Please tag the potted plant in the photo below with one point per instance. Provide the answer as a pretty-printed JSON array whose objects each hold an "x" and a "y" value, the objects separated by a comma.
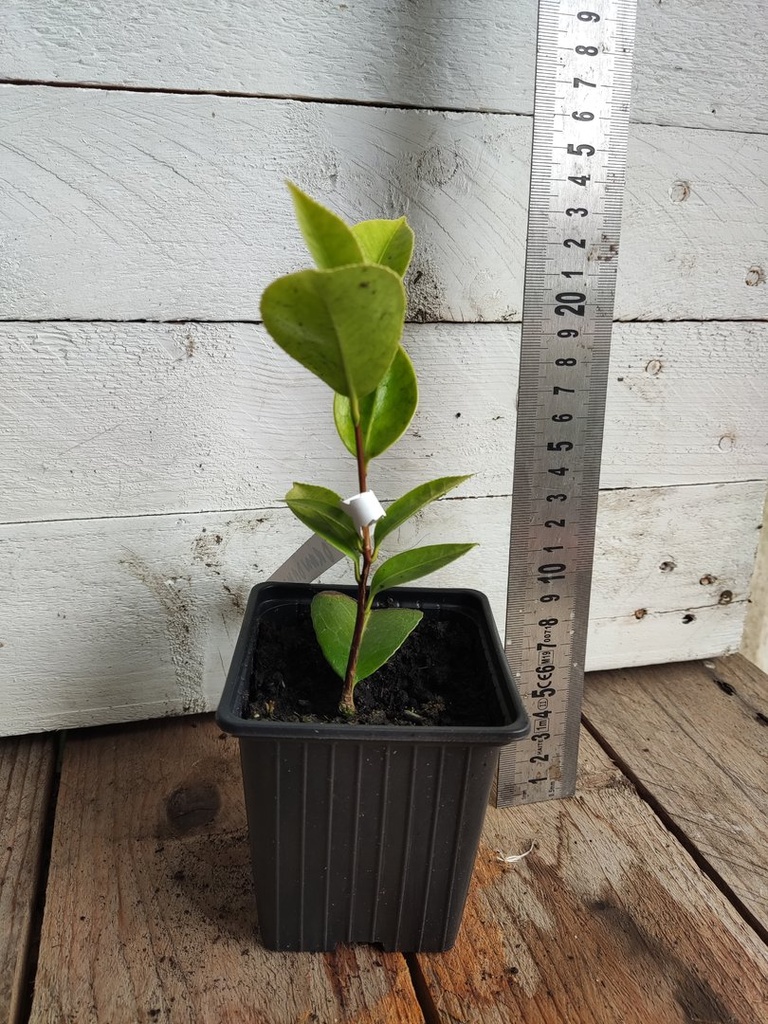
[{"x": 370, "y": 719}]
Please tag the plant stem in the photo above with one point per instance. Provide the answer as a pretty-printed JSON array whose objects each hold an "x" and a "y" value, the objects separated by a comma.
[{"x": 347, "y": 703}]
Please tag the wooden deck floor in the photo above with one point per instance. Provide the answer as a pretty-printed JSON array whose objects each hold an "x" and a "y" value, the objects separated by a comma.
[{"x": 125, "y": 893}]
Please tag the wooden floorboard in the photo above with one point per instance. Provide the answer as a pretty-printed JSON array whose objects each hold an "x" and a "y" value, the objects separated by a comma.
[
  {"x": 748, "y": 683},
  {"x": 694, "y": 738},
  {"x": 26, "y": 774},
  {"x": 607, "y": 921},
  {"x": 149, "y": 914}
]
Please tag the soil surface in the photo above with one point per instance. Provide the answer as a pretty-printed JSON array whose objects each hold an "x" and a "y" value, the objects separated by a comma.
[{"x": 432, "y": 680}]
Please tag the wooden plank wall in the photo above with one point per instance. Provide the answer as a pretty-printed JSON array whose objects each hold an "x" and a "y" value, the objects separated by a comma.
[{"x": 149, "y": 429}]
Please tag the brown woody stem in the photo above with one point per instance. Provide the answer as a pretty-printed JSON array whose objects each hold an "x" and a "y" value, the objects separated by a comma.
[{"x": 347, "y": 702}]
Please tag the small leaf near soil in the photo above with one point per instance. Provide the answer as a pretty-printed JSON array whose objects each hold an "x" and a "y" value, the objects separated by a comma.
[{"x": 333, "y": 616}]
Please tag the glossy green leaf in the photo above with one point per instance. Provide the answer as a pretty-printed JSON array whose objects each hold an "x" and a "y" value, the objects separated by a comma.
[
  {"x": 328, "y": 237},
  {"x": 343, "y": 325},
  {"x": 385, "y": 632},
  {"x": 388, "y": 242},
  {"x": 402, "y": 509},
  {"x": 385, "y": 413},
  {"x": 413, "y": 564},
  {"x": 334, "y": 615},
  {"x": 318, "y": 508}
]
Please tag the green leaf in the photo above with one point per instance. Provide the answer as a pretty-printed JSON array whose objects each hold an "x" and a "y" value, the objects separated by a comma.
[
  {"x": 328, "y": 238},
  {"x": 334, "y": 615},
  {"x": 402, "y": 509},
  {"x": 385, "y": 413},
  {"x": 313, "y": 492},
  {"x": 343, "y": 325},
  {"x": 388, "y": 242},
  {"x": 318, "y": 508},
  {"x": 411, "y": 565}
]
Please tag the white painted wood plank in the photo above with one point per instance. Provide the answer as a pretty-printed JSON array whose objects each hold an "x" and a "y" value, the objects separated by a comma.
[
  {"x": 664, "y": 637},
  {"x": 139, "y": 418},
  {"x": 135, "y": 419},
  {"x": 163, "y": 207},
  {"x": 669, "y": 554},
  {"x": 476, "y": 55},
  {"x": 119, "y": 619}
]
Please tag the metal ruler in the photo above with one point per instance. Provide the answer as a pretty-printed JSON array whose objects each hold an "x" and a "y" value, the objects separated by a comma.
[{"x": 581, "y": 115}]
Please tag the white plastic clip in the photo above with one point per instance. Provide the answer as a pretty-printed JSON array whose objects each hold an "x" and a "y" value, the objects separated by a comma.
[{"x": 364, "y": 508}]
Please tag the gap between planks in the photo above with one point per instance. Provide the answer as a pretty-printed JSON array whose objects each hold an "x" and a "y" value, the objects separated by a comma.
[
  {"x": 335, "y": 100},
  {"x": 280, "y": 506},
  {"x": 692, "y": 739},
  {"x": 400, "y": 52},
  {"x": 27, "y": 806},
  {"x": 675, "y": 829},
  {"x": 380, "y": 104},
  {"x": 292, "y": 97}
]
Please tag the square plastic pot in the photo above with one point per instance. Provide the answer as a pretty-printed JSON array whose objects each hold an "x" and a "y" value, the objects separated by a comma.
[{"x": 366, "y": 833}]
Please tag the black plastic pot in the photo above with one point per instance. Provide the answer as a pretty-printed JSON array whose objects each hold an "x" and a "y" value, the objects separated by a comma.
[{"x": 366, "y": 833}]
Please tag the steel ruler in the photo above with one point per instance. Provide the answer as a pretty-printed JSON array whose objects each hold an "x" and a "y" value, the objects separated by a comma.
[{"x": 580, "y": 122}]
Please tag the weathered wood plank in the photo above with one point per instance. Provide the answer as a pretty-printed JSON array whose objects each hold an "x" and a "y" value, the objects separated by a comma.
[
  {"x": 607, "y": 920},
  {"x": 26, "y": 776},
  {"x": 747, "y": 681},
  {"x": 150, "y": 895},
  {"x": 148, "y": 418},
  {"x": 701, "y": 752},
  {"x": 663, "y": 636},
  {"x": 137, "y": 617},
  {"x": 688, "y": 548},
  {"x": 163, "y": 207},
  {"x": 479, "y": 56}
]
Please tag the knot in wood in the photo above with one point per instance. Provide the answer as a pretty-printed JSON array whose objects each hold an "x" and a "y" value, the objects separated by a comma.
[{"x": 679, "y": 191}]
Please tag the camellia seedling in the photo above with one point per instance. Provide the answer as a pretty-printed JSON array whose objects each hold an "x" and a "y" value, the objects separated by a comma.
[{"x": 343, "y": 322}]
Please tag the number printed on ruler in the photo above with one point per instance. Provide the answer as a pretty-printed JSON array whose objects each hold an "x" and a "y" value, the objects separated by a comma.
[
  {"x": 580, "y": 125},
  {"x": 578, "y": 169}
]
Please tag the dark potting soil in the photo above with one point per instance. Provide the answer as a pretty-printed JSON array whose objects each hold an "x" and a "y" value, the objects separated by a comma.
[{"x": 432, "y": 680}]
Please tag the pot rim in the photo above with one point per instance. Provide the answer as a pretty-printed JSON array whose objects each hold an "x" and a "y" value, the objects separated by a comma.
[{"x": 472, "y": 603}]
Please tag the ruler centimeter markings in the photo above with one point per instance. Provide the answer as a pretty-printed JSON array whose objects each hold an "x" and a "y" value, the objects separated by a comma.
[{"x": 580, "y": 123}]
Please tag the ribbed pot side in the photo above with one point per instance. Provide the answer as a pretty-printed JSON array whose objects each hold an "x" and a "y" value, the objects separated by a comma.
[{"x": 367, "y": 833}]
